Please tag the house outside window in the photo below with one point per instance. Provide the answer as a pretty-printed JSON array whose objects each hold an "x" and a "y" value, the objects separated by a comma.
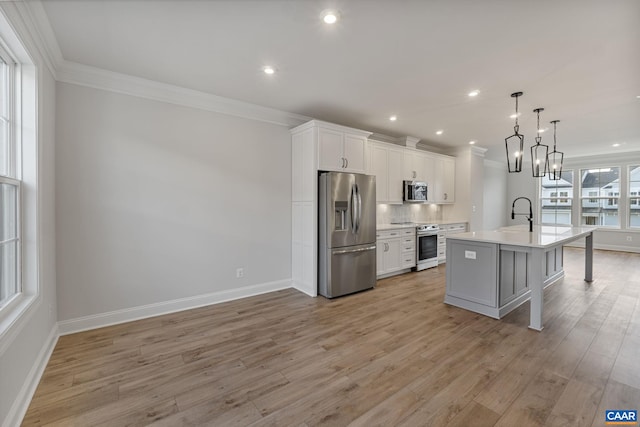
[
  {"x": 9, "y": 185},
  {"x": 600, "y": 193},
  {"x": 557, "y": 199},
  {"x": 634, "y": 196}
]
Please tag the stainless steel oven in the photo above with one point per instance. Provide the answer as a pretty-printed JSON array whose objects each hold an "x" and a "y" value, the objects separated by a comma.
[{"x": 427, "y": 246}]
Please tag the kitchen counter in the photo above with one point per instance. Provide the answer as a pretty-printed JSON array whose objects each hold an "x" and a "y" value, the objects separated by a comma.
[
  {"x": 543, "y": 236},
  {"x": 493, "y": 272}
]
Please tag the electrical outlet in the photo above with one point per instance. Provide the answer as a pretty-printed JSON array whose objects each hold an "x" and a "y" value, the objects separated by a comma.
[
  {"x": 239, "y": 272},
  {"x": 629, "y": 238}
]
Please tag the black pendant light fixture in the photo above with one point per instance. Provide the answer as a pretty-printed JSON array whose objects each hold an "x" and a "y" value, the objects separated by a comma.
[
  {"x": 555, "y": 158},
  {"x": 539, "y": 160},
  {"x": 515, "y": 143}
]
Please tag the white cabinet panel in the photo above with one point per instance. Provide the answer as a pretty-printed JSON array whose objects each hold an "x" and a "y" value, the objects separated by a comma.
[
  {"x": 330, "y": 150},
  {"x": 413, "y": 165},
  {"x": 386, "y": 164},
  {"x": 395, "y": 250},
  {"x": 445, "y": 180},
  {"x": 379, "y": 168},
  {"x": 341, "y": 151},
  {"x": 354, "y": 153},
  {"x": 394, "y": 170}
]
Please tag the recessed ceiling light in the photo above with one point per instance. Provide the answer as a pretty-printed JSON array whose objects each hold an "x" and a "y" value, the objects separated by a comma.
[
  {"x": 268, "y": 69},
  {"x": 393, "y": 118},
  {"x": 472, "y": 142},
  {"x": 513, "y": 116},
  {"x": 330, "y": 16},
  {"x": 474, "y": 93},
  {"x": 542, "y": 130},
  {"x": 616, "y": 145},
  {"x": 439, "y": 132}
]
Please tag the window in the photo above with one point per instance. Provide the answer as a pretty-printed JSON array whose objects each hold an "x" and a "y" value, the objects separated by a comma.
[
  {"x": 600, "y": 194},
  {"x": 556, "y": 199},
  {"x": 9, "y": 186},
  {"x": 634, "y": 196}
]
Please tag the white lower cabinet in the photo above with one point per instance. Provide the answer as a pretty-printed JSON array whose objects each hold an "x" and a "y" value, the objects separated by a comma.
[
  {"x": 447, "y": 230},
  {"x": 396, "y": 250}
]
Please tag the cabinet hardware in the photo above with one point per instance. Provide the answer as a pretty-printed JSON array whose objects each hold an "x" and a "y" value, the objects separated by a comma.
[
  {"x": 445, "y": 196},
  {"x": 346, "y": 162}
]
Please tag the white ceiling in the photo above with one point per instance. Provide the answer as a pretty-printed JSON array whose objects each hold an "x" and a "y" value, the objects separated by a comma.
[{"x": 418, "y": 59}]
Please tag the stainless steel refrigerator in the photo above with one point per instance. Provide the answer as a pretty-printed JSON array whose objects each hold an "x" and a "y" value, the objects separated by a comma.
[{"x": 347, "y": 233}]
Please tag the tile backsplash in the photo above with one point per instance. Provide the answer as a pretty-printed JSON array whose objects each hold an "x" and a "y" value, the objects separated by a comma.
[{"x": 418, "y": 212}]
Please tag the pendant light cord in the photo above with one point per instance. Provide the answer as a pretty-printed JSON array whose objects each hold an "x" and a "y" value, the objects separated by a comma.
[
  {"x": 538, "y": 137},
  {"x": 516, "y": 128}
]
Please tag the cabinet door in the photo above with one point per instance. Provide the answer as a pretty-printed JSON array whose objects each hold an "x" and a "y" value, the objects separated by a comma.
[
  {"x": 330, "y": 150},
  {"x": 381, "y": 249},
  {"x": 409, "y": 171},
  {"x": 429, "y": 167},
  {"x": 394, "y": 174},
  {"x": 445, "y": 180},
  {"x": 449, "y": 173},
  {"x": 354, "y": 153},
  {"x": 379, "y": 168},
  {"x": 393, "y": 257}
]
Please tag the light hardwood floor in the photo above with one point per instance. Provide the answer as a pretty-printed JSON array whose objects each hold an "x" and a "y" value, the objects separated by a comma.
[{"x": 396, "y": 355}]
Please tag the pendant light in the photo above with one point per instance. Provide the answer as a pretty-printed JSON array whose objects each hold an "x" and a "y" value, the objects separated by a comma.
[
  {"x": 539, "y": 160},
  {"x": 514, "y": 143},
  {"x": 555, "y": 158}
]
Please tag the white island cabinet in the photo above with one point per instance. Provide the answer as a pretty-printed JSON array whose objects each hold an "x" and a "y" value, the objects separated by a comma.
[{"x": 493, "y": 272}]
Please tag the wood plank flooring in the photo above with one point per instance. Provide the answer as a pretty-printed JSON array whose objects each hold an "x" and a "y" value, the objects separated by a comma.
[{"x": 393, "y": 356}]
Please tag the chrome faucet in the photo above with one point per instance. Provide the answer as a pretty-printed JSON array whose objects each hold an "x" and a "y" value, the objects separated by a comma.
[{"x": 529, "y": 218}]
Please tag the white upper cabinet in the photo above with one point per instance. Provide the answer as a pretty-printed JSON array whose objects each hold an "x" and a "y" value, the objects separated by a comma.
[
  {"x": 341, "y": 151},
  {"x": 395, "y": 175},
  {"x": 445, "y": 175},
  {"x": 413, "y": 165},
  {"x": 386, "y": 164}
]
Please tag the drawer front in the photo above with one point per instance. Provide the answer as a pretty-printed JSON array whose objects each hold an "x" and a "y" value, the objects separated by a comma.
[
  {"x": 409, "y": 247},
  {"x": 409, "y": 232},
  {"x": 408, "y": 260},
  {"x": 456, "y": 228},
  {"x": 406, "y": 240},
  {"x": 388, "y": 234}
]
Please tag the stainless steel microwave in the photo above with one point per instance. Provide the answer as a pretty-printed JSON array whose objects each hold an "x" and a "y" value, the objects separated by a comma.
[{"x": 414, "y": 191}]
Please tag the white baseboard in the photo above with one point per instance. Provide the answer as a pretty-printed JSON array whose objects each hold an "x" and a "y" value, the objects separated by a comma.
[
  {"x": 23, "y": 399},
  {"x": 144, "y": 311}
]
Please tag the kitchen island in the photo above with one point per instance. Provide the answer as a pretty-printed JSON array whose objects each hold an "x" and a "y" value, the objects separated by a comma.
[{"x": 493, "y": 272}]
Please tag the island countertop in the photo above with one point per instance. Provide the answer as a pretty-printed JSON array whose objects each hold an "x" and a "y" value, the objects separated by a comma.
[{"x": 543, "y": 236}]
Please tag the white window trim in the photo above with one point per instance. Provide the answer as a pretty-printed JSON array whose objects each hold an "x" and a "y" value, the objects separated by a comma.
[{"x": 16, "y": 313}]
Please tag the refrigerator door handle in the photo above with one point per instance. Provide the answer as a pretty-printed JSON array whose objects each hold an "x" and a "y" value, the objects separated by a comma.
[
  {"x": 359, "y": 206},
  {"x": 351, "y": 251},
  {"x": 354, "y": 214}
]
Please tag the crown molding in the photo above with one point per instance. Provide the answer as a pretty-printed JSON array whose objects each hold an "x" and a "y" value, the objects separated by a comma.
[
  {"x": 97, "y": 78},
  {"x": 21, "y": 18},
  {"x": 39, "y": 28}
]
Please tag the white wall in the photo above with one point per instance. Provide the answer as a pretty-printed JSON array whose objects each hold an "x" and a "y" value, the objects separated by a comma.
[
  {"x": 495, "y": 195},
  {"x": 158, "y": 202},
  {"x": 25, "y": 347}
]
